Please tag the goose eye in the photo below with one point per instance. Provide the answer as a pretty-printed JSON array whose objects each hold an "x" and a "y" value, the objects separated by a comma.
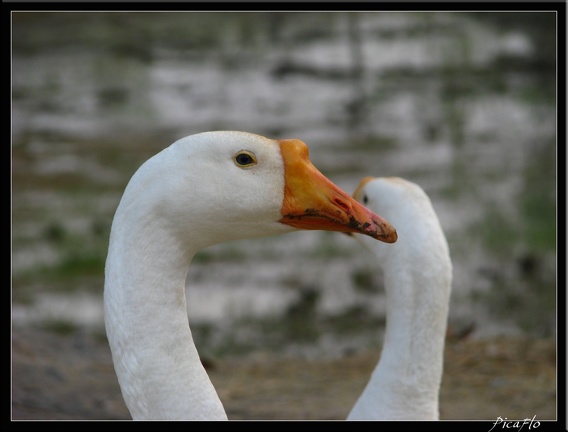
[
  {"x": 245, "y": 159},
  {"x": 365, "y": 199}
]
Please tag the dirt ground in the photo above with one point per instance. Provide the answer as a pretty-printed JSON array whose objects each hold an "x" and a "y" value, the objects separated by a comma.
[{"x": 72, "y": 378}]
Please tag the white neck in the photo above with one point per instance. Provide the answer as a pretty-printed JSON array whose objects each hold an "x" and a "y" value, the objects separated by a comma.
[
  {"x": 405, "y": 384},
  {"x": 156, "y": 360}
]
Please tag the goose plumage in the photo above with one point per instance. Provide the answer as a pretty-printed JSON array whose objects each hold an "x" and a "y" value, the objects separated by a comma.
[
  {"x": 203, "y": 189},
  {"x": 417, "y": 272}
]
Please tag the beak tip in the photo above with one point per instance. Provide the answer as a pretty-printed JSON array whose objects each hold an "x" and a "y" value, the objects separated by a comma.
[
  {"x": 386, "y": 233},
  {"x": 392, "y": 237},
  {"x": 380, "y": 229}
]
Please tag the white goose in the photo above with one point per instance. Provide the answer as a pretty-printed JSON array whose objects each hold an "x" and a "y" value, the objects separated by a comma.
[
  {"x": 417, "y": 272},
  {"x": 202, "y": 190}
]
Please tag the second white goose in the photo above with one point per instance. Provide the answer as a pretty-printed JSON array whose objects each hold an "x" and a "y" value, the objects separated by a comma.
[{"x": 417, "y": 273}]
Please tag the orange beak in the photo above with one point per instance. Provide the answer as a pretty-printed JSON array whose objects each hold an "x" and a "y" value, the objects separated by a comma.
[{"x": 313, "y": 202}]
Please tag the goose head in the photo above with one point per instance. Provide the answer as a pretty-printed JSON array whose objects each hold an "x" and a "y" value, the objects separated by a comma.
[
  {"x": 231, "y": 185},
  {"x": 421, "y": 240}
]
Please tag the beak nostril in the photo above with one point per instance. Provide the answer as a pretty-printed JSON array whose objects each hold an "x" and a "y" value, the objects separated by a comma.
[{"x": 342, "y": 204}]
